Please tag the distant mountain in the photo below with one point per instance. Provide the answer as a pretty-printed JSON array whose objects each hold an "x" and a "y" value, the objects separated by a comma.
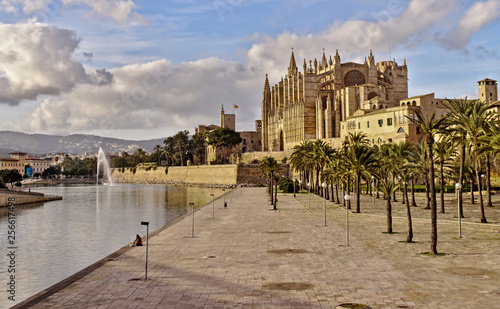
[{"x": 38, "y": 144}]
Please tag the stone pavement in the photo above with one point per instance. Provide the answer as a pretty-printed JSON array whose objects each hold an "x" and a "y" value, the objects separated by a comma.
[{"x": 250, "y": 256}]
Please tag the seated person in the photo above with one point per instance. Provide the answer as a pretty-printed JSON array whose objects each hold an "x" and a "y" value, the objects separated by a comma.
[{"x": 137, "y": 241}]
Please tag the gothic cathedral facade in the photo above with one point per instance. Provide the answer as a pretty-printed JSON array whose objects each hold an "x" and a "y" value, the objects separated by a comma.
[{"x": 312, "y": 104}]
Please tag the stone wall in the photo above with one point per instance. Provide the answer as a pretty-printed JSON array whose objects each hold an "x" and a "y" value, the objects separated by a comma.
[
  {"x": 24, "y": 197},
  {"x": 206, "y": 175},
  {"x": 247, "y": 158}
]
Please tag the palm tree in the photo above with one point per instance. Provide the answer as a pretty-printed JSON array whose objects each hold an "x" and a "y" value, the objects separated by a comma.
[
  {"x": 476, "y": 127},
  {"x": 430, "y": 127},
  {"x": 270, "y": 168},
  {"x": 359, "y": 160},
  {"x": 300, "y": 160},
  {"x": 456, "y": 118},
  {"x": 388, "y": 187},
  {"x": 444, "y": 150}
]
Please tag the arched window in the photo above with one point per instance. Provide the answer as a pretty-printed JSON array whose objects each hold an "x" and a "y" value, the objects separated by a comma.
[
  {"x": 414, "y": 103},
  {"x": 371, "y": 95},
  {"x": 380, "y": 106},
  {"x": 403, "y": 104}
]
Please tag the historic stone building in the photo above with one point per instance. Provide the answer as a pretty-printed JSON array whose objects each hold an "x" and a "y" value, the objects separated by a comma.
[
  {"x": 251, "y": 140},
  {"x": 313, "y": 103}
]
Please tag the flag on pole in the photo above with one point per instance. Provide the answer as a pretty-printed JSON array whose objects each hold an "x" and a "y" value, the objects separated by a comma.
[{"x": 236, "y": 106}]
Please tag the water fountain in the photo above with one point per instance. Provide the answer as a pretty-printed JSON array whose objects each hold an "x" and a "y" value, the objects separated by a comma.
[{"x": 103, "y": 161}]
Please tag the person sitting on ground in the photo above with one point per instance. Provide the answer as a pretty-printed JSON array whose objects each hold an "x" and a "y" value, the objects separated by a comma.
[{"x": 138, "y": 240}]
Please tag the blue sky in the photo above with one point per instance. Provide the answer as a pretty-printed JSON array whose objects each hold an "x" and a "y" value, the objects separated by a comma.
[{"x": 158, "y": 67}]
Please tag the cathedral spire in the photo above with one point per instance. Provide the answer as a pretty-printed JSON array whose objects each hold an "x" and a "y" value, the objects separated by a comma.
[
  {"x": 292, "y": 68},
  {"x": 324, "y": 63},
  {"x": 336, "y": 59},
  {"x": 267, "y": 88},
  {"x": 371, "y": 59}
]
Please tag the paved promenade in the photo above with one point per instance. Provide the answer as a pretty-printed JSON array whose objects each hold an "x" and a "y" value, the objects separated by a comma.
[{"x": 250, "y": 256}]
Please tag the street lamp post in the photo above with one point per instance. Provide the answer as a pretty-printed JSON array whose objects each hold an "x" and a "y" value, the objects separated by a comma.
[
  {"x": 224, "y": 197},
  {"x": 192, "y": 221},
  {"x": 294, "y": 187},
  {"x": 458, "y": 187},
  {"x": 373, "y": 189},
  {"x": 482, "y": 182},
  {"x": 308, "y": 195},
  {"x": 213, "y": 206},
  {"x": 146, "y": 223},
  {"x": 324, "y": 199},
  {"x": 300, "y": 186},
  {"x": 347, "y": 197}
]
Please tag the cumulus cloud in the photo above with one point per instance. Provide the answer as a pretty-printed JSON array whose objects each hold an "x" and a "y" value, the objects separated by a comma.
[
  {"x": 477, "y": 16},
  {"x": 161, "y": 94},
  {"x": 36, "y": 59},
  {"x": 121, "y": 11},
  {"x": 150, "y": 95},
  {"x": 394, "y": 25}
]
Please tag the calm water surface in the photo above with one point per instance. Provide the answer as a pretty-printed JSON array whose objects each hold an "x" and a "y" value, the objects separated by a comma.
[{"x": 56, "y": 239}]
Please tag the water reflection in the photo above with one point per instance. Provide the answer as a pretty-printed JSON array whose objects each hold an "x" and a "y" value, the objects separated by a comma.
[{"x": 59, "y": 238}]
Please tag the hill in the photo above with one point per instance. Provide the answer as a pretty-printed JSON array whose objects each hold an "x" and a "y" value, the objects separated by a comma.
[{"x": 38, "y": 144}]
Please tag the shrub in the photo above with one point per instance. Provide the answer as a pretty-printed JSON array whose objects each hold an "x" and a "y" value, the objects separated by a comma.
[
  {"x": 260, "y": 184},
  {"x": 284, "y": 160},
  {"x": 255, "y": 161}
]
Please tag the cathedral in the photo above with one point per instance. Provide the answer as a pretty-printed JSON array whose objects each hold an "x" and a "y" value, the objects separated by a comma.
[{"x": 313, "y": 104}]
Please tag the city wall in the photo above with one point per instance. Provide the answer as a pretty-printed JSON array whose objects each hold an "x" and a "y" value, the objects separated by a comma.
[{"x": 209, "y": 175}]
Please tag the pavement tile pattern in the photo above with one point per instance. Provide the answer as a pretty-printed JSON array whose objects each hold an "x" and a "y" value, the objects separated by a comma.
[{"x": 251, "y": 256}]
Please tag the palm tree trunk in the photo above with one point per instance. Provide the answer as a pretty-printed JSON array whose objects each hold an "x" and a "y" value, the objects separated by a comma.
[
  {"x": 461, "y": 181},
  {"x": 409, "y": 236},
  {"x": 472, "y": 200},
  {"x": 441, "y": 171},
  {"x": 413, "y": 203},
  {"x": 376, "y": 185},
  {"x": 430, "y": 141},
  {"x": 427, "y": 194},
  {"x": 358, "y": 192},
  {"x": 394, "y": 193},
  {"x": 403, "y": 188},
  {"x": 337, "y": 191},
  {"x": 275, "y": 195},
  {"x": 488, "y": 180},
  {"x": 478, "y": 179},
  {"x": 389, "y": 214},
  {"x": 271, "y": 191}
]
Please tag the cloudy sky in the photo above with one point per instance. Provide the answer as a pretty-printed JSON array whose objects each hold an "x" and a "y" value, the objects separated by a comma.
[{"x": 141, "y": 69}]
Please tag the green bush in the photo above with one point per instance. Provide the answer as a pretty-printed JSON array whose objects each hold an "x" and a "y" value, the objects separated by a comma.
[
  {"x": 284, "y": 160},
  {"x": 260, "y": 184},
  {"x": 18, "y": 184},
  {"x": 255, "y": 161}
]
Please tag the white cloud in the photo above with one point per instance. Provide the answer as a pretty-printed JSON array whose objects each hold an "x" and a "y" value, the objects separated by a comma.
[
  {"x": 121, "y": 11},
  {"x": 476, "y": 17},
  {"x": 163, "y": 95},
  {"x": 354, "y": 38},
  {"x": 150, "y": 95},
  {"x": 36, "y": 59}
]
